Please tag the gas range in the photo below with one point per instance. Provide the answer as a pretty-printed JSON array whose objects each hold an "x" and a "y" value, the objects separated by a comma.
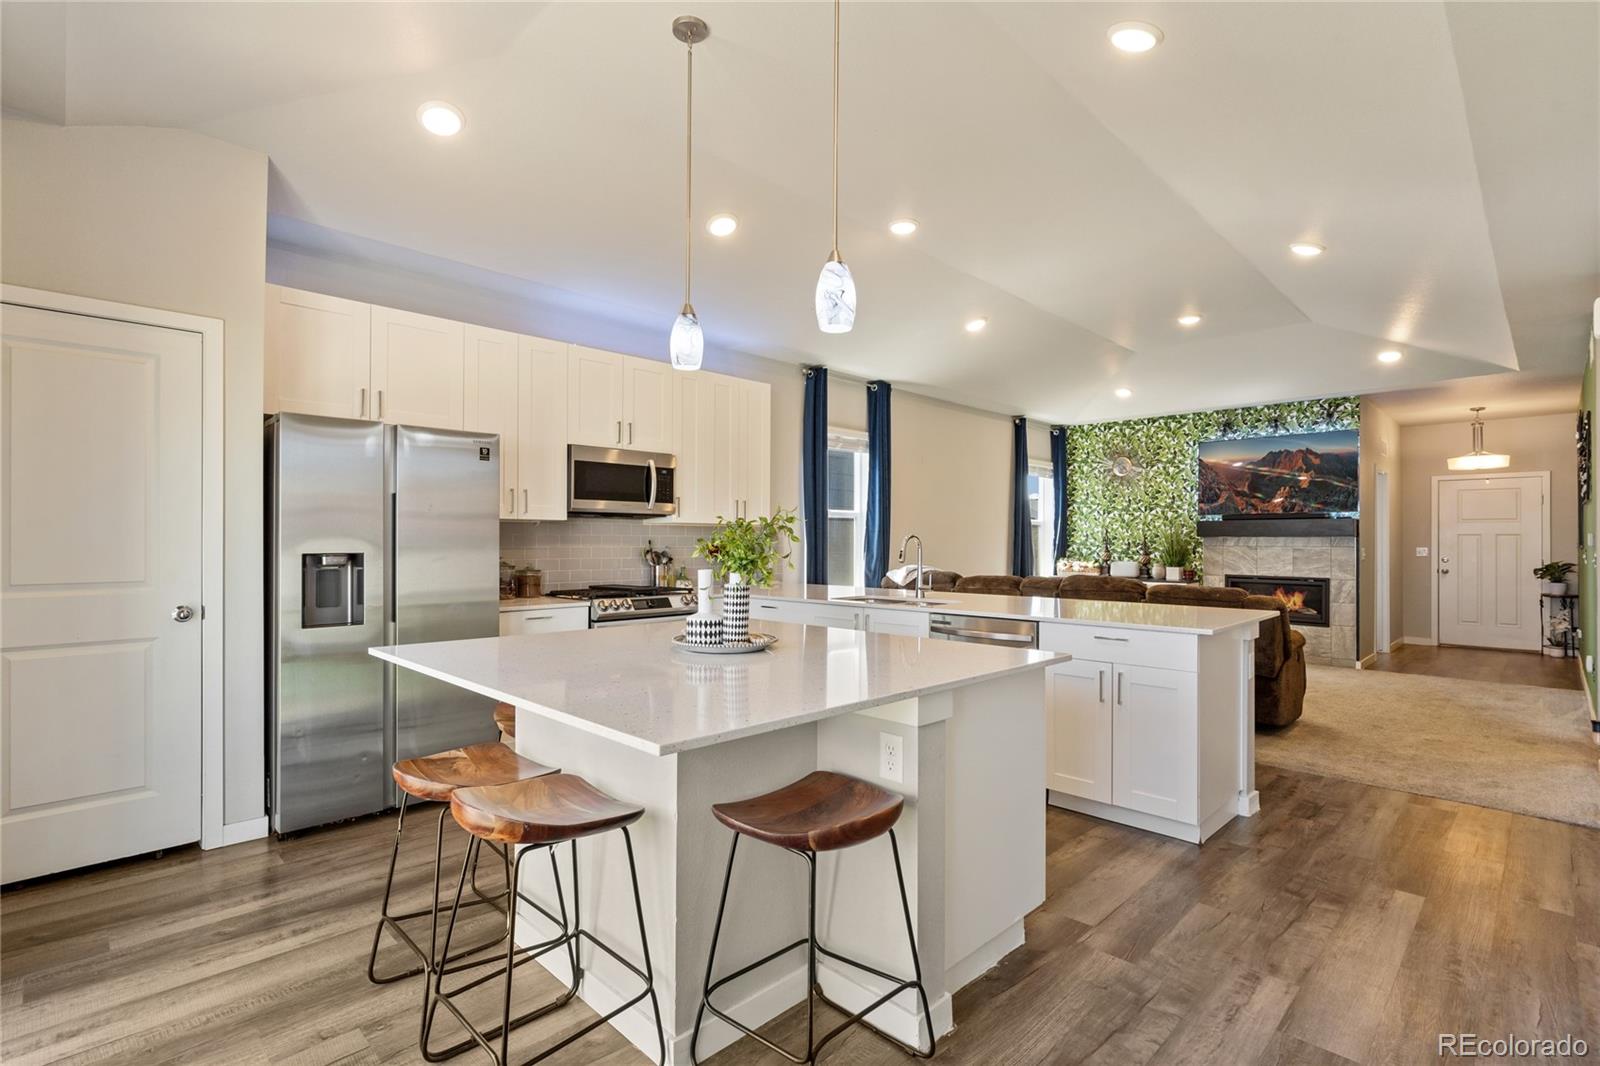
[{"x": 613, "y": 604}]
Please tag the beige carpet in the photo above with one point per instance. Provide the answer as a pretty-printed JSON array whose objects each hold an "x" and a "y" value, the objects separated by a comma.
[{"x": 1510, "y": 747}]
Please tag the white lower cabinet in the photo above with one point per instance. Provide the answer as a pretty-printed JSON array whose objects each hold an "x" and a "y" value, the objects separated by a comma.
[
  {"x": 543, "y": 620},
  {"x": 897, "y": 620},
  {"x": 830, "y": 615},
  {"x": 1078, "y": 728},
  {"x": 1153, "y": 742}
]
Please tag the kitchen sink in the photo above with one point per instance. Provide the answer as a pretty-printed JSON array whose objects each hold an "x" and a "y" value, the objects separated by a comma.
[{"x": 891, "y": 601}]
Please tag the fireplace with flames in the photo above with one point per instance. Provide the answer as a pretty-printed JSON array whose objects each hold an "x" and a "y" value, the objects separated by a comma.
[{"x": 1306, "y": 597}]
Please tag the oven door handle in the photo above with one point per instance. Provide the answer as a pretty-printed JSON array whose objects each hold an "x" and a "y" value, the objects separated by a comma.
[{"x": 652, "y": 464}]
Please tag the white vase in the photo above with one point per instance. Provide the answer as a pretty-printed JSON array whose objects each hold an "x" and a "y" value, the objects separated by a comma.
[
  {"x": 735, "y": 610},
  {"x": 1555, "y": 588},
  {"x": 1174, "y": 573}
]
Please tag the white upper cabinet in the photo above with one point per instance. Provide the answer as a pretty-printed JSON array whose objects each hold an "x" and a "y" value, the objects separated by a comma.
[
  {"x": 594, "y": 397},
  {"x": 418, "y": 369},
  {"x": 647, "y": 404},
  {"x": 318, "y": 354},
  {"x": 542, "y": 430},
  {"x": 721, "y": 436},
  {"x": 493, "y": 399}
]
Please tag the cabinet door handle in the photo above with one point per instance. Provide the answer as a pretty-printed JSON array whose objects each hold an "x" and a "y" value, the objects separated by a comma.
[
  {"x": 630, "y": 432},
  {"x": 1101, "y": 676},
  {"x": 1114, "y": 640},
  {"x": 619, "y": 431},
  {"x": 361, "y": 403},
  {"x": 511, "y": 505},
  {"x": 1120, "y": 676},
  {"x": 524, "y": 501},
  {"x": 378, "y": 410}
]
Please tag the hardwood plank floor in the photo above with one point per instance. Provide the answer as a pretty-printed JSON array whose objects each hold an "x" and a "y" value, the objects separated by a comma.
[
  {"x": 1345, "y": 923},
  {"x": 1482, "y": 664}
]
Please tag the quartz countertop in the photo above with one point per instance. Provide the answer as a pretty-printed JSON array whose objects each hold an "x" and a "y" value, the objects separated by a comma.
[
  {"x": 1165, "y": 617},
  {"x": 529, "y": 603},
  {"x": 631, "y": 685}
]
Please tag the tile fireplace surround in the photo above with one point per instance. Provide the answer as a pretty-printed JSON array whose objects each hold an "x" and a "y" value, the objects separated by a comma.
[{"x": 1331, "y": 557}]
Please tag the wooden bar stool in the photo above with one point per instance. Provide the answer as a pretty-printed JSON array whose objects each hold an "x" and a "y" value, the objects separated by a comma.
[
  {"x": 505, "y": 720},
  {"x": 823, "y": 811},
  {"x": 436, "y": 777},
  {"x": 537, "y": 813}
]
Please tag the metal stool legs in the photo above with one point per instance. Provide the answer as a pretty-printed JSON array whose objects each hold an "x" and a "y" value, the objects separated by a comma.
[
  {"x": 814, "y": 990},
  {"x": 389, "y": 921},
  {"x": 569, "y": 937}
]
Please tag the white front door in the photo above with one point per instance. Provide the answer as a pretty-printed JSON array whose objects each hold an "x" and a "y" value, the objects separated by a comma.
[
  {"x": 1491, "y": 536},
  {"x": 100, "y": 480}
]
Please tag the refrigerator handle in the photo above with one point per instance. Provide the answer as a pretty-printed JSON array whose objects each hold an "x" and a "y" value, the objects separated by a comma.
[{"x": 653, "y": 479}]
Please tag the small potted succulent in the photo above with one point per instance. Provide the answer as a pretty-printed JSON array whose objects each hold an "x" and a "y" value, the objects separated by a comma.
[
  {"x": 1554, "y": 576},
  {"x": 744, "y": 552},
  {"x": 1177, "y": 554}
]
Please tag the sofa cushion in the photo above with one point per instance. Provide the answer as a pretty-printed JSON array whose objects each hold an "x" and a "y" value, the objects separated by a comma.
[
  {"x": 1040, "y": 586},
  {"x": 1280, "y": 700},
  {"x": 1197, "y": 595},
  {"x": 1095, "y": 587},
  {"x": 990, "y": 584},
  {"x": 1273, "y": 646}
]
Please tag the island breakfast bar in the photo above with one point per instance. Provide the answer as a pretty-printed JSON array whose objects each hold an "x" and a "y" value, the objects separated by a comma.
[{"x": 958, "y": 729}]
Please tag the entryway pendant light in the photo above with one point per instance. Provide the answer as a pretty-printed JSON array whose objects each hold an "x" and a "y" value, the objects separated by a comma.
[
  {"x": 1478, "y": 459},
  {"x": 836, "y": 289},
  {"x": 687, "y": 344}
]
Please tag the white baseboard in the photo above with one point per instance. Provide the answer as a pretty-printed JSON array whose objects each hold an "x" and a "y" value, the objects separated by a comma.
[
  {"x": 239, "y": 832},
  {"x": 1426, "y": 642},
  {"x": 1366, "y": 663},
  {"x": 982, "y": 960}
]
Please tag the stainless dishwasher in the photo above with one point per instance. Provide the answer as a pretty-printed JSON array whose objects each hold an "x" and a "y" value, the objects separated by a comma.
[{"x": 1006, "y": 632}]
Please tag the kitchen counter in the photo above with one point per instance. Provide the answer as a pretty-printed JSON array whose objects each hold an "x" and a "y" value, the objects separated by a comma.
[
  {"x": 528, "y": 603},
  {"x": 631, "y": 685},
  {"x": 1163, "y": 617},
  {"x": 958, "y": 729}
]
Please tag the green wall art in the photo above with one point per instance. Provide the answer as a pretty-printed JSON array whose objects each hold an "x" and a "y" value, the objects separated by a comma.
[{"x": 1134, "y": 480}]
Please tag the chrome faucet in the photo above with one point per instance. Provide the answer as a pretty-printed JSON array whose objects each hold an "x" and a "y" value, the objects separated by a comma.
[{"x": 921, "y": 593}]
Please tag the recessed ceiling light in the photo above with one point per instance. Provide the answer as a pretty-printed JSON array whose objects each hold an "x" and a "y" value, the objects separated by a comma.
[
  {"x": 975, "y": 325},
  {"x": 1390, "y": 356},
  {"x": 1123, "y": 394},
  {"x": 1306, "y": 249},
  {"x": 439, "y": 118},
  {"x": 903, "y": 227},
  {"x": 1190, "y": 319},
  {"x": 1134, "y": 36},
  {"x": 721, "y": 225}
]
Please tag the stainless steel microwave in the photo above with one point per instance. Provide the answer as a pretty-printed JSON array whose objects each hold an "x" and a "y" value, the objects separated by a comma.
[{"x": 618, "y": 481}]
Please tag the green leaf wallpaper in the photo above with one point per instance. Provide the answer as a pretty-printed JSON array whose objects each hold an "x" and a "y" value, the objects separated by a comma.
[{"x": 1162, "y": 490}]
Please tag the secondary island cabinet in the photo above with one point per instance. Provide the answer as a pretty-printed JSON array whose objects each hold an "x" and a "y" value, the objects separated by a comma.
[
  {"x": 1078, "y": 728},
  {"x": 418, "y": 369},
  {"x": 1153, "y": 743},
  {"x": 318, "y": 354}
]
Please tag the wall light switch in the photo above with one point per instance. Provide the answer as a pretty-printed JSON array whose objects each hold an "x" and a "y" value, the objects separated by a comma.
[
  {"x": 1422, "y": 553},
  {"x": 891, "y": 757}
]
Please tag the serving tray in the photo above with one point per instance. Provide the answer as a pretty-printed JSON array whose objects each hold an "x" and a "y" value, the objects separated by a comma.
[{"x": 757, "y": 642}]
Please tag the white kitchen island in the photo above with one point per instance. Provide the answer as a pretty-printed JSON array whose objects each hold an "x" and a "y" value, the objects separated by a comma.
[
  {"x": 1152, "y": 721},
  {"x": 676, "y": 732}
]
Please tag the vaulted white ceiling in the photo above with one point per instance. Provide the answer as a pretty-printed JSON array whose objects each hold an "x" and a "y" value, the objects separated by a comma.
[{"x": 1448, "y": 156}]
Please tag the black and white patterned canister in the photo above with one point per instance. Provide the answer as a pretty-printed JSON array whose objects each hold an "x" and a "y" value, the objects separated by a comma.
[
  {"x": 703, "y": 630},
  {"x": 735, "y": 613}
]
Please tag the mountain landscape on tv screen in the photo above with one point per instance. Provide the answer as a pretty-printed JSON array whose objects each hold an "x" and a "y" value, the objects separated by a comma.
[{"x": 1301, "y": 475}]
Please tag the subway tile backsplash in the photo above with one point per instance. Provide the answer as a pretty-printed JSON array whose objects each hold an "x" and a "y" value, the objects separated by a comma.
[{"x": 596, "y": 551}]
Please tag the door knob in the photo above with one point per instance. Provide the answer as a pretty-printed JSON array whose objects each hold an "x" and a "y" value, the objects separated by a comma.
[
  {"x": 1444, "y": 569},
  {"x": 182, "y": 613}
]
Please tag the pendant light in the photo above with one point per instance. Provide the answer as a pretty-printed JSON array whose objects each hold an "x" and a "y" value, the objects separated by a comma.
[
  {"x": 687, "y": 344},
  {"x": 836, "y": 289},
  {"x": 1478, "y": 459}
]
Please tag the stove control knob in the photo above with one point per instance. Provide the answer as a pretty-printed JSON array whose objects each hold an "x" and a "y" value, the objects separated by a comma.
[
  {"x": 606, "y": 605},
  {"x": 624, "y": 605}
]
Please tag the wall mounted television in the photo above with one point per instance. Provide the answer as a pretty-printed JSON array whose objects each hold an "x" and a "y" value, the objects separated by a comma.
[{"x": 1289, "y": 475}]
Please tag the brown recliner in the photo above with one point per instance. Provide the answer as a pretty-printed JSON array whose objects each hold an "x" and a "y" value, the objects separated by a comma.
[
  {"x": 938, "y": 581},
  {"x": 1045, "y": 587},
  {"x": 1280, "y": 649},
  {"x": 990, "y": 585},
  {"x": 1097, "y": 587}
]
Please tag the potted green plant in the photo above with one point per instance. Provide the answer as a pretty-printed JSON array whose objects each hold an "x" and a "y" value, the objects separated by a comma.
[
  {"x": 1176, "y": 552},
  {"x": 744, "y": 552},
  {"x": 1554, "y": 576}
]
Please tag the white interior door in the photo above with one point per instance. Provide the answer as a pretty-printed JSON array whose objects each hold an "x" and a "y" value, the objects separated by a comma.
[
  {"x": 100, "y": 684},
  {"x": 1491, "y": 536}
]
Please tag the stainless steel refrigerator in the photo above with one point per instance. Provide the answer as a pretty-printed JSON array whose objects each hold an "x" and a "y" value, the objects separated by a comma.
[{"x": 375, "y": 535}]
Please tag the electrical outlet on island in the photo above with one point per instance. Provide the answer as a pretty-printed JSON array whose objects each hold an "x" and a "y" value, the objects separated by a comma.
[{"x": 891, "y": 757}]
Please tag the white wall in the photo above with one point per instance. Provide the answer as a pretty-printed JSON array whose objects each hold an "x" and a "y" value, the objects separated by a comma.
[
  {"x": 172, "y": 220},
  {"x": 1539, "y": 442}
]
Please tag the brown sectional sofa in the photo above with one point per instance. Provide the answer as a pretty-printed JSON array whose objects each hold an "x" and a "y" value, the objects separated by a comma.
[{"x": 1280, "y": 650}]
